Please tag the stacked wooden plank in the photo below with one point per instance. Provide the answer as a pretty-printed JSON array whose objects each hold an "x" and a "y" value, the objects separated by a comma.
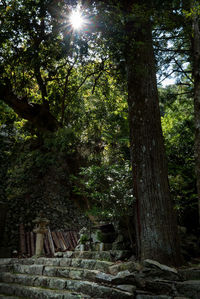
[{"x": 54, "y": 241}]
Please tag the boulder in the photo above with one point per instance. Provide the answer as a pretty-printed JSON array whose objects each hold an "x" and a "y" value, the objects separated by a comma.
[
  {"x": 127, "y": 288},
  {"x": 130, "y": 266},
  {"x": 124, "y": 277},
  {"x": 154, "y": 264},
  {"x": 105, "y": 278},
  {"x": 153, "y": 269}
]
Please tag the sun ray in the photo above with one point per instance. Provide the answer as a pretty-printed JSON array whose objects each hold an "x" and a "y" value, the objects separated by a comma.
[{"x": 76, "y": 19}]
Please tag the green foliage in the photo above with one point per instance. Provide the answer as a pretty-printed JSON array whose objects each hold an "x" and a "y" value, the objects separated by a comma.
[
  {"x": 32, "y": 159},
  {"x": 108, "y": 189},
  {"x": 84, "y": 83},
  {"x": 84, "y": 239},
  {"x": 178, "y": 130},
  {"x": 7, "y": 140}
]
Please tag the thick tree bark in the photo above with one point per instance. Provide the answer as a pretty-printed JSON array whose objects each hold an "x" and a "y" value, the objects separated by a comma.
[
  {"x": 38, "y": 115},
  {"x": 156, "y": 226},
  {"x": 196, "y": 77}
]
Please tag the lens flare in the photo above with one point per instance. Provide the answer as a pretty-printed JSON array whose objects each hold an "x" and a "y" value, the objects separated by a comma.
[{"x": 76, "y": 19}]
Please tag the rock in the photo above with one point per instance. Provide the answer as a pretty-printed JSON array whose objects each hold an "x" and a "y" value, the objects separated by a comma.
[
  {"x": 101, "y": 265},
  {"x": 36, "y": 269},
  {"x": 127, "y": 288},
  {"x": 58, "y": 254},
  {"x": 130, "y": 266},
  {"x": 50, "y": 271},
  {"x": 40, "y": 281},
  {"x": 68, "y": 254},
  {"x": 63, "y": 272},
  {"x": 190, "y": 288},
  {"x": 76, "y": 274},
  {"x": 65, "y": 262},
  {"x": 124, "y": 277},
  {"x": 46, "y": 261},
  {"x": 154, "y": 269},
  {"x": 155, "y": 264},
  {"x": 103, "y": 277},
  {"x": 57, "y": 283}
]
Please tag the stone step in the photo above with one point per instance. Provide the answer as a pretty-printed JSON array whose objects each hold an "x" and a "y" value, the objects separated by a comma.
[
  {"x": 80, "y": 286},
  {"x": 63, "y": 262},
  {"x": 110, "y": 256},
  {"x": 67, "y": 272},
  {"x": 30, "y": 292}
]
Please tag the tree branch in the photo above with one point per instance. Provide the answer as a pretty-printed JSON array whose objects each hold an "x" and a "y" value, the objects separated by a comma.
[
  {"x": 166, "y": 77},
  {"x": 41, "y": 84},
  {"x": 65, "y": 91},
  {"x": 183, "y": 71},
  {"x": 38, "y": 115}
]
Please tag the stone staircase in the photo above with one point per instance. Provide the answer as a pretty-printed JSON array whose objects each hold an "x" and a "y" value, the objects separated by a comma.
[
  {"x": 87, "y": 274},
  {"x": 73, "y": 275}
]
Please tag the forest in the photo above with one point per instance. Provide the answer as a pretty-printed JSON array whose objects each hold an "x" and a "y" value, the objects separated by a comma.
[{"x": 103, "y": 114}]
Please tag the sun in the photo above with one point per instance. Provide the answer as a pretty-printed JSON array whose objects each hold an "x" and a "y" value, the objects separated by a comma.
[{"x": 76, "y": 19}]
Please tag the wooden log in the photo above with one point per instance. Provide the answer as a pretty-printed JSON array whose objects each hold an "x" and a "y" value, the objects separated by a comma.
[
  {"x": 63, "y": 247},
  {"x": 59, "y": 240},
  {"x": 73, "y": 239},
  {"x": 22, "y": 239},
  {"x": 76, "y": 236},
  {"x": 56, "y": 241},
  {"x": 32, "y": 244},
  {"x": 63, "y": 239},
  {"x": 68, "y": 235},
  {"x": 51, "y": 244},
  {"x": 66, "y": 240},
  {"x": 46, "y": 245}
]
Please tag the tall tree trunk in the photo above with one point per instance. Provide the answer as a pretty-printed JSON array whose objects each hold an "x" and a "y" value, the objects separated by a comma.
[
  {"x": 155, "y": 220},
  {"x": 196, "y": 77}
]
